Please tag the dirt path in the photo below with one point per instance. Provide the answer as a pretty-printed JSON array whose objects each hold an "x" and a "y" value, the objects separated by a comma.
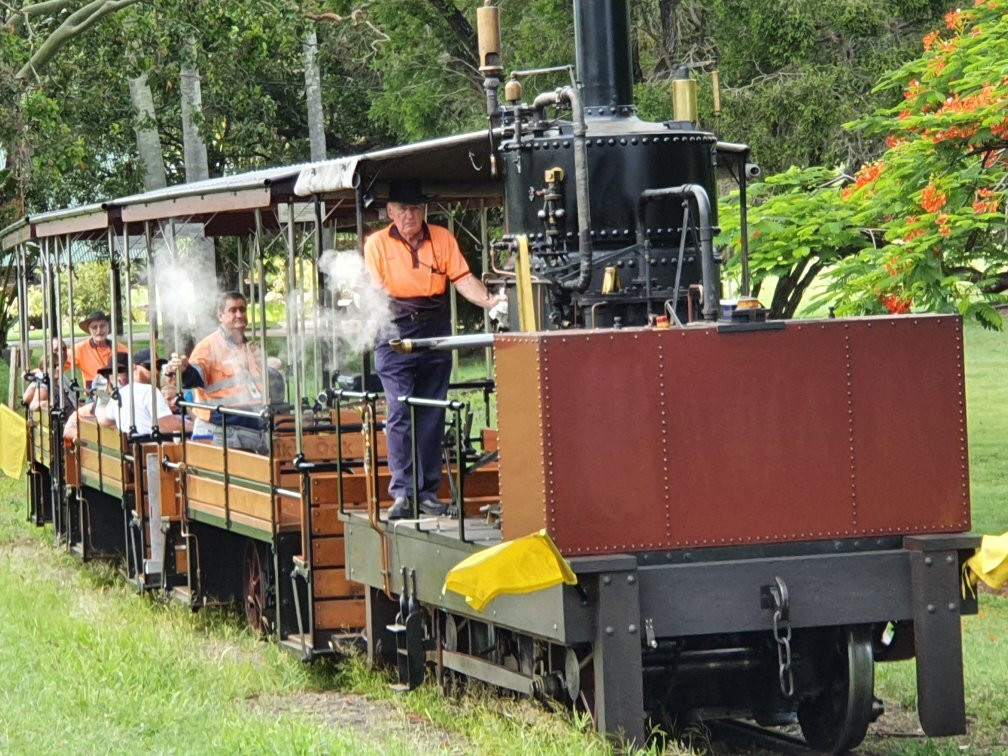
[{"x": 372, "y": 721}]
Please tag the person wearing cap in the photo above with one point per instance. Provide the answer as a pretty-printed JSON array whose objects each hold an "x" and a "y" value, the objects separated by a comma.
[
  {"x": 92, "y": 354},
  {"x": 146, "y": 402},
  {"x": 414, "y": 262},
  {"x": 229, "y": 374}
]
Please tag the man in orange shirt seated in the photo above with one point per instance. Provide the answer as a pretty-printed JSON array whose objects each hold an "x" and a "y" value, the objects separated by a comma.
[
  {"x": 414, "y": 262},
  {"x": 230, "y": 376},
  {"x": 93, "y": 354}
]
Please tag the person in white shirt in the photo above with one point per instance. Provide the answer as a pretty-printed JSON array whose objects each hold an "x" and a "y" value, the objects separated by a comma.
[{"x": 147, "y": 404}]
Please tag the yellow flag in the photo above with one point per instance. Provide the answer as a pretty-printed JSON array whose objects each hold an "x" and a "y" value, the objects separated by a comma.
[
  {"x": 990, "y": 563},
  {"x": 13, "y": 442},
  {"x": 523, "y": 565}
]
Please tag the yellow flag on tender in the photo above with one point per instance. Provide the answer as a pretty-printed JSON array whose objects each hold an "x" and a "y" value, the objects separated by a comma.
[
  {"x": 990, "y": 563},
  {"x": 13, "y": 442},
  {"x": 523, "y": 565}
]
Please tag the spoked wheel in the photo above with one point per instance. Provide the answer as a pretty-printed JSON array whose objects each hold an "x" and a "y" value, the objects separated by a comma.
[
  {"x": 257, "y": 587},
  {"x": 837, "y": 719}
]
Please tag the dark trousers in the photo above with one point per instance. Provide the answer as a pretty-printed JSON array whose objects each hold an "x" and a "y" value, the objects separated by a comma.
[{"x": 424, "y": 375}]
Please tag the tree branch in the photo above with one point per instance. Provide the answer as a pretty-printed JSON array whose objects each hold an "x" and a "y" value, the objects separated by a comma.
[
  {"x": 74, "y": 24},
  {"x": 46, "y": 8}
]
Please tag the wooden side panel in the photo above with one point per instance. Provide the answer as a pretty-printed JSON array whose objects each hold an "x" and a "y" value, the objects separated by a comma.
[
  {"x": 326, "y": 521},
  {"x": 240, "y": 500},
  {"x": 488, "y": 436},
  {"x": 169, "y": 483},
  {"x": 321, "y": 447},
  {"x": 241, "y": 464},
  {"x": 522, "y": 446},
  {"x": 328, "y": 552},
  {"x": 480, "y": 484},
  {"x": 111, "y": 467},
  {"x": 72, "y": 459},
  {"x": 181, "y": 559},
  {"x": 333, "y": 583},
  {"x": 339, "y": 614}
]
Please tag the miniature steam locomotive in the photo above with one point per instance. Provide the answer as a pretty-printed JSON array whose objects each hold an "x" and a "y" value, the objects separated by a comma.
[{"x": 748, "y": 535}]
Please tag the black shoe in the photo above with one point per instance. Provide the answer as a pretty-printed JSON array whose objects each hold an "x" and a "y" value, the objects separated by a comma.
[
  {"x": 400, "y": 509},
  {"x": 430, "y": 505}
]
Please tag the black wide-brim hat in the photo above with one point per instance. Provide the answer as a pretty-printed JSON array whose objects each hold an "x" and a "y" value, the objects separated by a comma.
[
  {"x": 115, "y": 357},
  {"x": 407, "y": 191},
  {"x": 96, "y": 315}
]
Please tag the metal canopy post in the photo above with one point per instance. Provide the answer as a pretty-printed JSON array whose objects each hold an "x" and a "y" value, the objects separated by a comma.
[
  {"x": 321, "y": 376},
  {"x": 262, "y": 304},
  {"x": 453, "y": 302},
  {"x": 291, "y": 283},
  {"x": 153, "y": 324},
  {"x": 485, "y": 260},
  {"x": 129, "y": 336}
]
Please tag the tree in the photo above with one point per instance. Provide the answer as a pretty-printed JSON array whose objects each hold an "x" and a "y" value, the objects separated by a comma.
[
  {"x": 937, "y": 195},
  {"x": 799, "y": 225},
  {"x": 792, "y": 72}
]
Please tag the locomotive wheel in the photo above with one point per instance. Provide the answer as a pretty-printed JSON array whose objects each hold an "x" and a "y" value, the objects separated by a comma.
[
  {"x": 257, "y": 587},
  {"x": 837, "y": 719}
]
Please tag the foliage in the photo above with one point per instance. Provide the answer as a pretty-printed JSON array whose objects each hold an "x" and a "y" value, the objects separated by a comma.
[
  {"x": 798, "y": 224},
  {"x": 791, "y": 72},
  {"x": 937, "y": 195}
]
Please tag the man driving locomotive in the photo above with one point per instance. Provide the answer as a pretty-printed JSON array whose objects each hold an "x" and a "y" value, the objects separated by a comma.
[{"x": 414, "y": 261}]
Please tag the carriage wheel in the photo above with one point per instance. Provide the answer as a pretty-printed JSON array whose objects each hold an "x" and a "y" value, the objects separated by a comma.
[
  {"x": 837, "y": 718},
  {"x": 257, "y": 587}
]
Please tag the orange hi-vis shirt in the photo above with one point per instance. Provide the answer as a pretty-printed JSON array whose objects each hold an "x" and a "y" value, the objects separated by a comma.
[
  {"x": 231, "y": 373},
  {"x": 422, "y": 272},
  {"x": 90, "y": 358}
]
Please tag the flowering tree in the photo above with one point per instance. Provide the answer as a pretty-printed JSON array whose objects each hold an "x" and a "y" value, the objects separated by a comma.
[
  {"x": 932, "y": 207},
  {"x": 798, "y": 226},
  {"x": 937, "y": 194}
]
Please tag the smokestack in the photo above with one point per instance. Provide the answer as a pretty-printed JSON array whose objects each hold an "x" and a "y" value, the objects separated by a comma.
[{"x": 602, "y": 39}]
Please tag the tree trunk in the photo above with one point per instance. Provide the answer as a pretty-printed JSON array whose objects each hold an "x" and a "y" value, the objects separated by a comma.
[
  {"x": 194, "y": 151},
  {"x": 147, "y": 137},
  {"x": 316, "y": 115},
  {"x": 196, "y": 167},
  {"x": 313, "y": 96}
]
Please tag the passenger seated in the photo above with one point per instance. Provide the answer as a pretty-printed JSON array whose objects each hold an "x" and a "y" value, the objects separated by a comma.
[
  {"x": 91, "y": 354},
  {"x": 146, "y": 403},
  {"x": 230, "y": 375},
  {"x": 36, "y": 394}
]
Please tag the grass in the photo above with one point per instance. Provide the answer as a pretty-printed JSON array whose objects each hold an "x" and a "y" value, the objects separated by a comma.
[
  {"x": 985, "y": 636},
  {"x": 90, "y": 667}
]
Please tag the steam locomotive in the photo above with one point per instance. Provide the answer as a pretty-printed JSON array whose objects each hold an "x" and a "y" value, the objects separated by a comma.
[{"x": 748, "y": 535}]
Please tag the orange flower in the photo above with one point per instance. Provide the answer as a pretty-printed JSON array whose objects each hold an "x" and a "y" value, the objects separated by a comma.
[
  {"x": 913, "y": 233},
  {"x": 929, "y": 39},
  {"x": 895, "y": 304},
  {"x": 954, "y": 20},
  {"x": 893, "y": 141},
  {"x": 942, "y": 222},
  {"x": 991, "y": 158},
  {"x": 932, "y": 198},
  {"x": 986, "y": 202},
  {"x": 936, "y": 65}
]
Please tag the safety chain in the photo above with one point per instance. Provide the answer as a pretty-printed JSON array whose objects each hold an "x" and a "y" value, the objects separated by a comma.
[
  {"x": 782, "y": 634},
  {"x": 776, "y": 597}
]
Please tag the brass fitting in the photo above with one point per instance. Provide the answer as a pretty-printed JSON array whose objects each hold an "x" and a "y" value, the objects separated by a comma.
[{"x": 488, "y": 38}]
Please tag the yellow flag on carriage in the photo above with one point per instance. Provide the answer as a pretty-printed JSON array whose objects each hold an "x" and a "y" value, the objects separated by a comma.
[
  {"x": 523, "y": 565},
  {"x": 989, "y": 564},
  {"x": 13, "y": 442}
]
